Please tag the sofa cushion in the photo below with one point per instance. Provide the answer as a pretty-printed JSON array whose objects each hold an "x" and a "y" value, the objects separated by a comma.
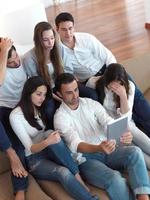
[
  {"x": 147, "y": 94},
  {"x": 4, "y": 166},
  {"x": 139, "y": 68}
]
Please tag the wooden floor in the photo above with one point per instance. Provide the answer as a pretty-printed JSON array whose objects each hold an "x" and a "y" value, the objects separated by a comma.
[{"x": 118, "y": 24}]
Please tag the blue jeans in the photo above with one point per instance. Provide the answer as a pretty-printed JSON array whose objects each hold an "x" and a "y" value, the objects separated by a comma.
[
  {"x": 18, "y": 183},
  {"x": 87, "y": 92},
  {"x": 100, "y": 171},
  {"x": 50, "y": 109},
  {"x": 141, "y": 110},
  {"x": 44, "y": 166},
  {"x": 4, "y": 140}
]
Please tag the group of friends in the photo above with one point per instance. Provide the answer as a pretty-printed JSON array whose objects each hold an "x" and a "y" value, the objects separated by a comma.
[{"x": 55, "y": 104}]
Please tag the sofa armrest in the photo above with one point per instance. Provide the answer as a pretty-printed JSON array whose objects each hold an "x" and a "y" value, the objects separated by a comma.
[{"x": 139, "y": 69}]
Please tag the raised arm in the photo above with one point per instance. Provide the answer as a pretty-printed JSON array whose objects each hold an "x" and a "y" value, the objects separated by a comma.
[
  {"x": 126, "y": 102},
  {"x": 105, "y": 147},
  {"x": 5, "y": 46}
]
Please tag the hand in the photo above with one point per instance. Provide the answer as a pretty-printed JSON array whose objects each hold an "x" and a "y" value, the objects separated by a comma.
[
  {"x": 108, "y": 146},
  {"x": 16, "y": 166},
  {"x": 53, "y": 138},
  {"x": 5, "y": 44},
  {"x": 126, "y": 138},
  {"x": 118, "y": 89}
]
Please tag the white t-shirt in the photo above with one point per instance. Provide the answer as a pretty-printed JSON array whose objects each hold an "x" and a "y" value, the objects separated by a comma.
[
  {"x": 27, "y": 134},
  {"x": 31, "y": 66},
  {"x": 87, "y": 57},
  {"x": 110, "y": 105},
  {"x": 11, "y": 89},
  {"x": 85, "y": 124}
]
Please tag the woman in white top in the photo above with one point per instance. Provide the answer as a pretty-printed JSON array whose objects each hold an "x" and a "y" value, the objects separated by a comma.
[
  {"x": 116, "y": 94},
  {"x": 47, "y": 156}
]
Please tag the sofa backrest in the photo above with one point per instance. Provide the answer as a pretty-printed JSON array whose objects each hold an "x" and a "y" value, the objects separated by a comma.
[
  {"x": 139, "y": 69},
  {"x": 4, "y": 163}
]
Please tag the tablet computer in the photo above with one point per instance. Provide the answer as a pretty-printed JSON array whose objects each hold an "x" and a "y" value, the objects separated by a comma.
[{"x": 116, "y": 128}]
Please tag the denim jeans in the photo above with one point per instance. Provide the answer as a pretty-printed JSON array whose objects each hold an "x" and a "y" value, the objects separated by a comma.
[
  {"x": 44, "y": 166},
  {"x": 50, "y": 109},
  {"x": 100, "y": 171},
  {"x": 87, "y": 92},
  {"x": 61, "y": 154},
  {"x": 141, "y": 140},
  {"x": 4, "y": 140},
  {"x": 18, "y": 183}
]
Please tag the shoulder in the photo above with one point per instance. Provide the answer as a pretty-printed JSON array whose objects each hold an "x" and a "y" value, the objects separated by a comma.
[
  {"x": 89, "y": 104},
  {"x": 16, "y": 115},
  {"x": 131, "y": 85},
  {"x": 62, "y": 118},
  {"x": 29, "y": 55},
  {"x": 16, "y": 111},
  {"x": 60, "y": 112}
]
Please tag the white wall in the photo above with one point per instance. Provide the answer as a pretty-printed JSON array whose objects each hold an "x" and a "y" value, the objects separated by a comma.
[
  {"x": 19, "y": 20},
  {"x": 7, "y": 6},
  {"x": 147, "y": 11},
  {"x": 51, "y": 2}
]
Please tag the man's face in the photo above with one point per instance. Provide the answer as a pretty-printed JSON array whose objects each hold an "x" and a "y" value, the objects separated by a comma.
[
  {"x": 66, "y": 31},
  {"x": 14, "y": 60},
  {"x": 70, "y": 94}
]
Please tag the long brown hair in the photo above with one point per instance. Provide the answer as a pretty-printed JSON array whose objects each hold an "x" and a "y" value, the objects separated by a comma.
[
  {"x": 39, "y": 52},
  {"x": 114, "y": 72}
]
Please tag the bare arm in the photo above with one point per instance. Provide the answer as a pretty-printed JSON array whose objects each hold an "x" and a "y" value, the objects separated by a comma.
[
  {"x": 105, "y": 147},
  {"x": 5, "y": 46},
  {"x": 53, "y": 138},
  {"x": 56, "y": 97},
  {"x": 121, "y": 92}
]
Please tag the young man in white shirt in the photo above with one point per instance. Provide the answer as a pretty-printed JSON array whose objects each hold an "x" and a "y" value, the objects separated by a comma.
[
  {"x": 12, "y": 79},
  {"x": 82, "y": 123},
  {"x": 85, "y": 56}
]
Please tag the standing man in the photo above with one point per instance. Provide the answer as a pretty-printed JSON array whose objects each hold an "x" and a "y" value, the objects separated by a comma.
[
  {"x": 85, "y": 56},
  {"x": 12, "y": 79},
  {"x": 82, "y": 123}
]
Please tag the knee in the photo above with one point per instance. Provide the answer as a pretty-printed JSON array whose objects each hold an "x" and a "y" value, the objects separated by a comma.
[
  {"x": 135, "y": 154},
  {"x": 116, "y": 181},
  {"x": 64, "y": 172},
  {"x": 60, "y": 144}
]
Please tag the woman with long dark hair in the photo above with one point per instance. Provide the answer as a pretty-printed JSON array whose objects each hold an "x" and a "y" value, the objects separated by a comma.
[
  {"x": 116, "y": 94},
  {"x": 47, "y": 156}
]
